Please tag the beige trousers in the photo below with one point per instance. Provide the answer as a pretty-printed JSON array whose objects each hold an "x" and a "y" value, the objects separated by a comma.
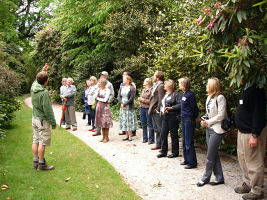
[
  {"x": 70, "y": 117},
  {"x": 251, "y": 161}
]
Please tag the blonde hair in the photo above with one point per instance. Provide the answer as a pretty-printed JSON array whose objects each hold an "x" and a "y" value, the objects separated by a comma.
[
  {"x": 170, "y": 84},
  {"x": 103, "y": 82},
  {"x": 129, "y": 79},
  {"x": 149, "y": 82},
  {"x": 185, "y": 83},
  {"x": 213, "y": 87},
  {"x": 94, "y": 79}
]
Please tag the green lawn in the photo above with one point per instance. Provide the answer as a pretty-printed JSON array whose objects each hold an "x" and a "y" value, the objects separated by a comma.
[{"x": 92, "y": 177}]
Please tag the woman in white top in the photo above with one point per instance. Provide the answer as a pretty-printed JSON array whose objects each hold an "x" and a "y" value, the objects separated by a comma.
[
  {"x": 216, "y": 112},
  {"x": 103, "y": 117},
  {"x": 91, "y": 93}
]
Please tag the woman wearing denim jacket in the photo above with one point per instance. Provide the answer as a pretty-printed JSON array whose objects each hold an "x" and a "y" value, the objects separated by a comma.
[
  {"x": 216, "y": 112},
  {"x": 189, "y": 113}
]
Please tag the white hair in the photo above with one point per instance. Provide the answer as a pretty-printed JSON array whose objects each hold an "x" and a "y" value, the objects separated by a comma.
[
  {"x": 64, "y": 79},
  {"x": 70, "y": 79}
]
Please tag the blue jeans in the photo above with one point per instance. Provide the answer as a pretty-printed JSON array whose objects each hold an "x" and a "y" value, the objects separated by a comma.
[
  {"x": 91, "y": 116},
  {"x": 146, "y": 120},
  {"x": 188, "y": 129}
]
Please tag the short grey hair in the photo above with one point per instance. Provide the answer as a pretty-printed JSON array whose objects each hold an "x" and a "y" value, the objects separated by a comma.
[
  {"x": 70, "y": 79},
  {"x": 149, "y": 81},
  {"x": 64, "y": 79}
]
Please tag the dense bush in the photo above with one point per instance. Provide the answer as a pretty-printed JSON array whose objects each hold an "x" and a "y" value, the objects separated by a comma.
[{"x": 10, "y": 85}]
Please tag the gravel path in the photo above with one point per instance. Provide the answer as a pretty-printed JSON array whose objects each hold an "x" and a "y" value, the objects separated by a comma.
[{"x": 153, "y": 178}]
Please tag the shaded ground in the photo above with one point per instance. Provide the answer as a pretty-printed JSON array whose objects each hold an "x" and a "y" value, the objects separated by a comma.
[{"x": 153, "y": 178}]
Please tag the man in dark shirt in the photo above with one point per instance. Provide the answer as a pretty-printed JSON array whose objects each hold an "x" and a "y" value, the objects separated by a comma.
[{"x": 252, "y": 132}]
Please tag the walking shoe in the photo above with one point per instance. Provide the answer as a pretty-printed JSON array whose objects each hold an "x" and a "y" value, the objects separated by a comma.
[
  {"x": 67, "y": 128},
  {"x": 150, "y": 143},
  {"x": 155, "y": 148},
  {"x": 242, "y": 189},
  {"x": 190, "y": 167},
  {"x": 161, "y": 155},
  {"x": 183, "y": 163},
  {"x": 35, "y": 164},
  {"x": 74, "y": 129},
  {"x": 173, "y": 155},
  {"x": 44, "y": 166},
  {"x": 216, "y": 183},
  {"x": 96, "y": 134},
  {"x": 122, "y": 133},
  {"x": 252, "y": 196}
]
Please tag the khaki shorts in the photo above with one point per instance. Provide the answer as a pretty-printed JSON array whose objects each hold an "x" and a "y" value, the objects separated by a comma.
[{"x": 41, "y": 132}]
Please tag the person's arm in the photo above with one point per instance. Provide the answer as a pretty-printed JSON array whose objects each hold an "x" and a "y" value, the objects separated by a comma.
[
  {"x": 221, "y": 111},
  {"x": 178, "y": 99},
  {"x": 48, "y": 111},
  {"x": 258, "y": 108},
  {"x": 105, "y": 99},
  {"x": 71, "y": 92},
  {"x": 161, "y": 94},
  {"x": 193, "y": 104},
  {"x": 131, "y": 98},
  {"x": 112, "y": 93},
  {"x": 119, "y": 96}
]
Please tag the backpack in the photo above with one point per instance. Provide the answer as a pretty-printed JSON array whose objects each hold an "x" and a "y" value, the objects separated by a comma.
[{"x": 227, "y": 122}]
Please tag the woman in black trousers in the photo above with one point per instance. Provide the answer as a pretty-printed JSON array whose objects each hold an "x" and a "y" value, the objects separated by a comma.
[{"x": 170, "y": 111}]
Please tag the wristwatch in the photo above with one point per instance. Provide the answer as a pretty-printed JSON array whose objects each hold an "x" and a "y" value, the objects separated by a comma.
[{"x": 255, "y": 136}]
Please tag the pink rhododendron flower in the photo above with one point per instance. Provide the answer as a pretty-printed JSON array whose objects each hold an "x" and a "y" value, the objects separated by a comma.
[
  {"x": 262, "y": 69},
  {"x": 239, "y": 39},
  {"x": 239, "y": 45},
  {"x": 199, "y": 21},
  {"x": 245, "y": 42}
]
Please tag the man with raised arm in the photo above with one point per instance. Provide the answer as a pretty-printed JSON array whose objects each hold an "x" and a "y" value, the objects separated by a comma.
[{"x": 42, "y": 118}]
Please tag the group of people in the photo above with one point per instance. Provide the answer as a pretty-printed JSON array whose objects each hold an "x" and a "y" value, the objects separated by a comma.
[{"x": 162, "y": 109}]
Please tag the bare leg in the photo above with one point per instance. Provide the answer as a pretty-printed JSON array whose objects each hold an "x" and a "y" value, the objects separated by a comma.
[
  {"x": 41, "y": 152},
  {"x": 129, "y": 133},
  {"x": 35, "y": 150}
]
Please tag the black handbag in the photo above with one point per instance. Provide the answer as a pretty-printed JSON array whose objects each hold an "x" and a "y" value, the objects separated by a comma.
[{"x": 227, "y": 122}]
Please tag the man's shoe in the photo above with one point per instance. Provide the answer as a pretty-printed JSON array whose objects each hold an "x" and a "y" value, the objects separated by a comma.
[
  {"x": 155, "y": 148},
  {"x": 216, "y": 183},
  {"x": 35, "y": 164},
  {"x": 161, "y": 155},
  {"x": 252, "y": 196},
  {"x": 183, "y": 163},
  {"x": 96, "y": 134},
  {"x": 122, "y": 133},
  {"x": 74, "y": 129},
  {"x": 190, "y": 167},
  {"x": 67, "y": 128},
  {"x": 44, "y": 166},
  {"x": 150, "y": 142},
  {"x": 144, "y": 141},
  {"x": 201, "y": 183},
  {"x": 242, "y": 189},
  {"x": 173, "y": 155}
]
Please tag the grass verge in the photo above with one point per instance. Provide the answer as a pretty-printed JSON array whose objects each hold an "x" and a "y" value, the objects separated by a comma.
[{"x": 92, "y": 177}]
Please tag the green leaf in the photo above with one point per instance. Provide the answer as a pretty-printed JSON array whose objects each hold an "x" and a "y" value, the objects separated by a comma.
[
  {"x": 251, "y": 41},
  {"x": 239, "y": 16},
  {"x": 246, "y": 63}
]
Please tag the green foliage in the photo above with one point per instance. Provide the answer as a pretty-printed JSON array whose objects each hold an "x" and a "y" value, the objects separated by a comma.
[
  {"x": 10, "y": 84},
  {"x": 233, "y": 40}
]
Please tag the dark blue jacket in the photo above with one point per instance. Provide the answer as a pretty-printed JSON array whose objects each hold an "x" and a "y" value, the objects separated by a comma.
[{"x": 189, "y": 109}]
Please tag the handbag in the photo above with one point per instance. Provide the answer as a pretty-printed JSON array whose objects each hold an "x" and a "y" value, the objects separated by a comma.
[
  {"x": 227, "y": 122},
  {"x": 94, "y": 105}
]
